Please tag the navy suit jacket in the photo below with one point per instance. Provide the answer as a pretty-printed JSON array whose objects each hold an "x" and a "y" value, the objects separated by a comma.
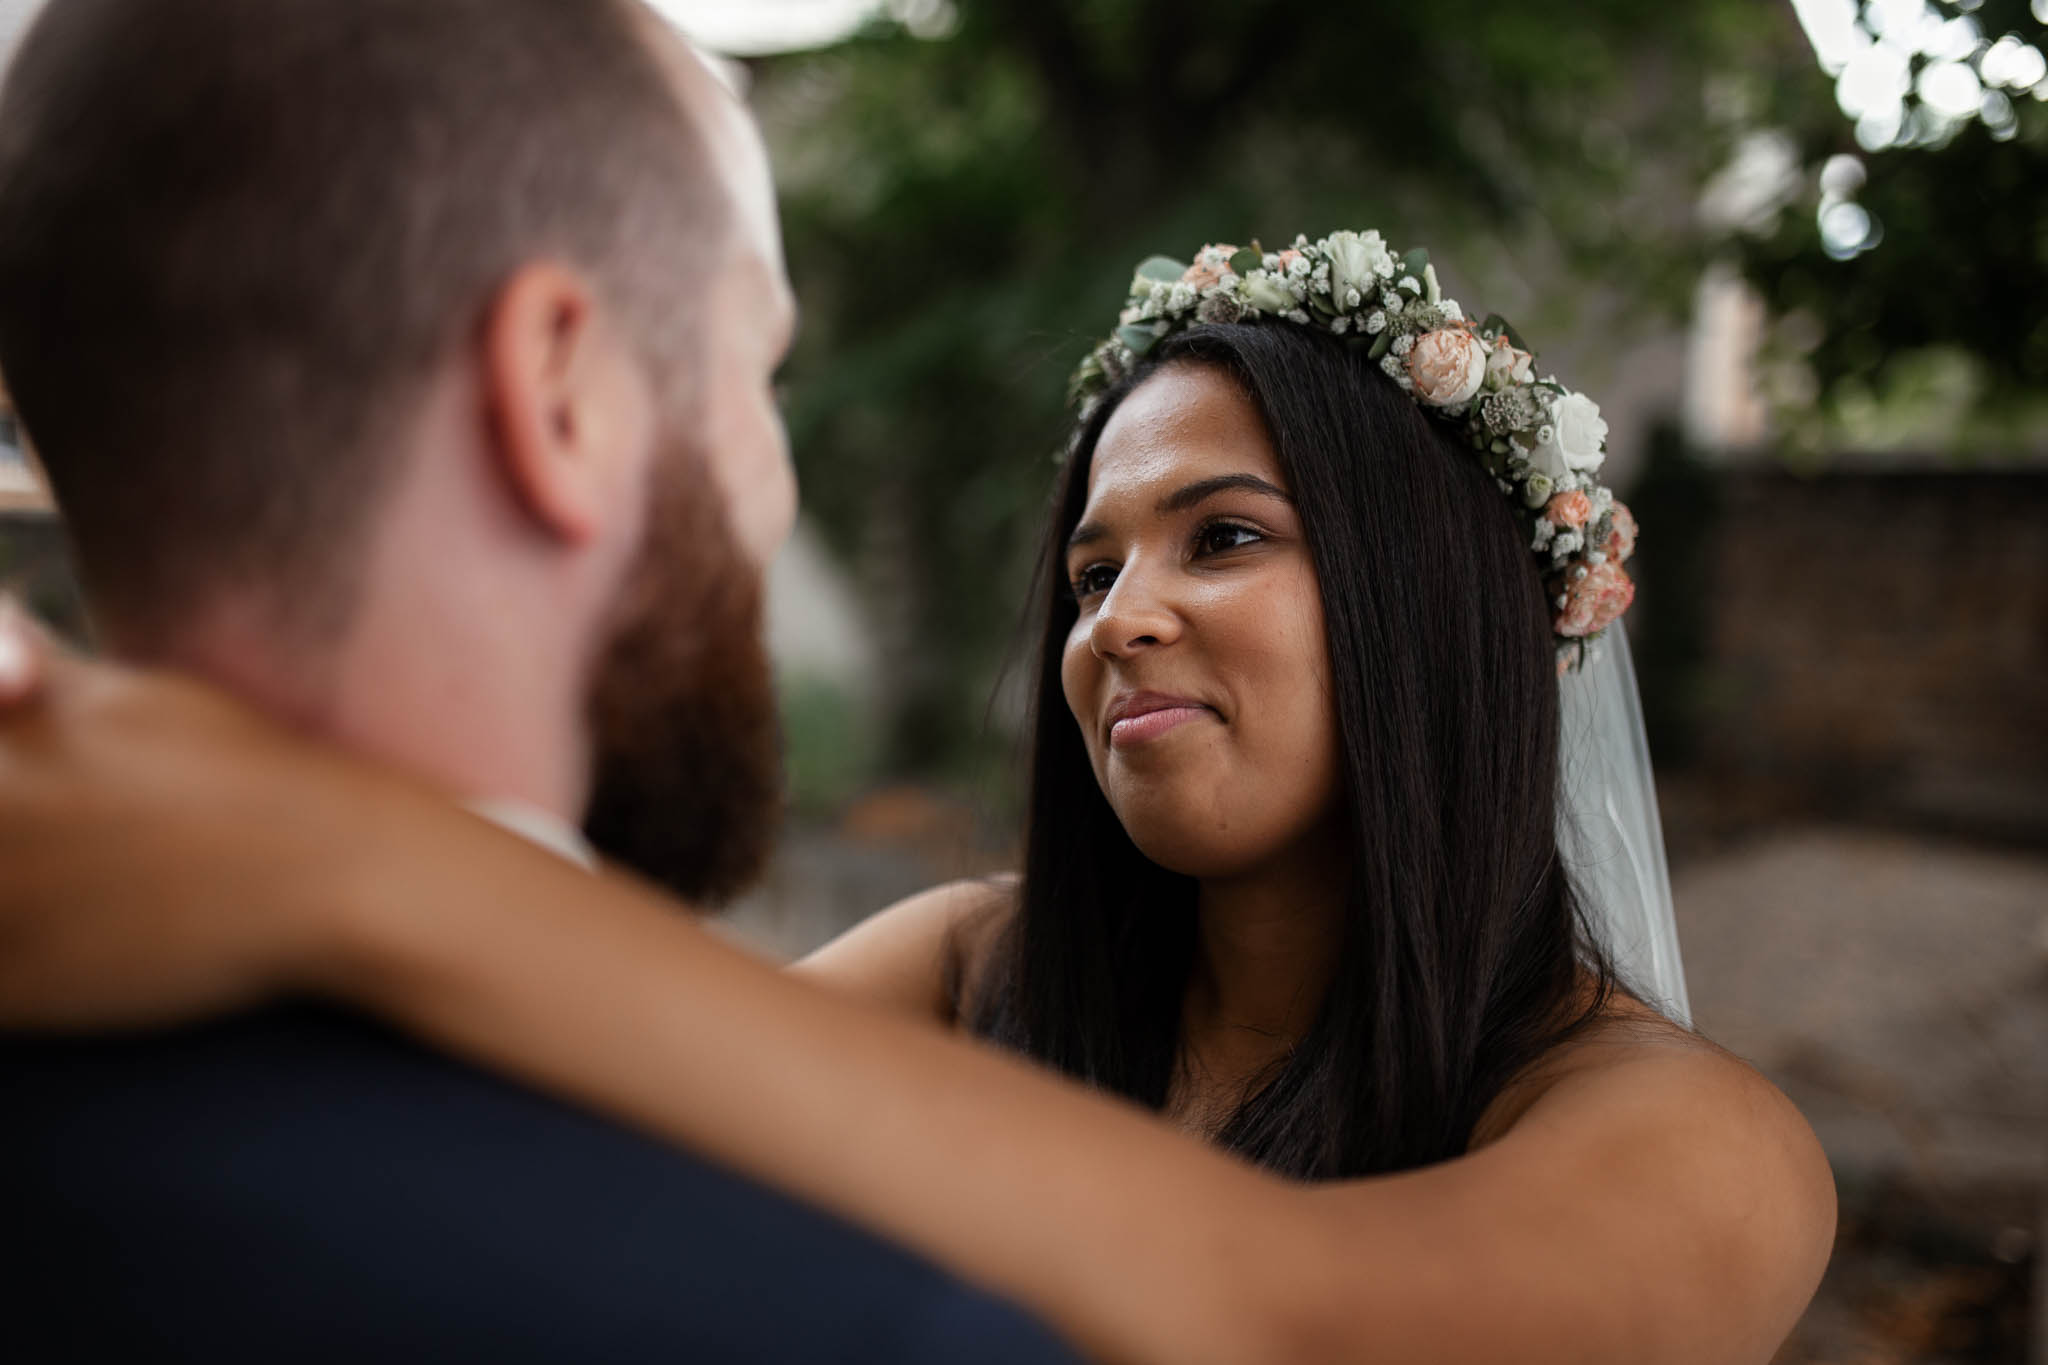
[{"x": 301, "y": 1185}]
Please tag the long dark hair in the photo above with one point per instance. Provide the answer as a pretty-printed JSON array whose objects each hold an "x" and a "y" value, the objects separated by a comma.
[{"x": 1463, "y": 953}]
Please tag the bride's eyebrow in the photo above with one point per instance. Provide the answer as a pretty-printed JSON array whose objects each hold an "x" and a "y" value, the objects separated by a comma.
[{"x": 1181, "y": 499}]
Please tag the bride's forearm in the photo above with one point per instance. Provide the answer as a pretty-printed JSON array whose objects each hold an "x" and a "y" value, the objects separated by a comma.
[{"x": 1138, "y": 1244}]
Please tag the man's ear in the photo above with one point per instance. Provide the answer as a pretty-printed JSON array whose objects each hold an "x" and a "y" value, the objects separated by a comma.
[{"x": 552, "y": 390}]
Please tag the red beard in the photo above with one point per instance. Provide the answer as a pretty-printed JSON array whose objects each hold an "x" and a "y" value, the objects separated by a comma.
[{"x": 687, "y": 781}]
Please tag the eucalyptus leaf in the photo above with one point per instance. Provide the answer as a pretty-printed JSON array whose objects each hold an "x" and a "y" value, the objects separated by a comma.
[
  {"x": 1162, "y": 269},
  {"x": 1415, "y": 262},
  {"x": 1141, "y": 340},
  {"x": 1247, "y": 260},
  {"x": 1383, "y": 345}
]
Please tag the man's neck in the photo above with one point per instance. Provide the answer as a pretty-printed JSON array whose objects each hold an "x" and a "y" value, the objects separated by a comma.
[{"x": 459, "y": 705}]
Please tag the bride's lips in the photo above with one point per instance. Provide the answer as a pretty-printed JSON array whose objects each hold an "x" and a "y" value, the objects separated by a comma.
[{"x": 1139, "y": 717}]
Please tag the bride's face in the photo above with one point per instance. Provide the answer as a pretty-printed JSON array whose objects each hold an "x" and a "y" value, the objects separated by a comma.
[{"x": 1197, "y": 668}]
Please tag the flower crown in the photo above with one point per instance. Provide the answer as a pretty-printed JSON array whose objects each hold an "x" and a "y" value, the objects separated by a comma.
[{"x": 1542, "y": 443}]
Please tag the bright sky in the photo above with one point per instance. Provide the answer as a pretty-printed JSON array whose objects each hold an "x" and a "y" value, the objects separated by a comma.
[
  {"x": 738, "y": 28},
  {"x": 743, "y": 28}
]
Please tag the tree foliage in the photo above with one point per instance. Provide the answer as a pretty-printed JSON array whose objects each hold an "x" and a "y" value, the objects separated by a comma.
[{"x": 1949, "y": 291}]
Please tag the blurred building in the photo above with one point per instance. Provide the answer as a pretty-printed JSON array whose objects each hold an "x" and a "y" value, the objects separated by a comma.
[
  {"x": 1867, "y": 633},
  {"x": 1844, "y": 659}
]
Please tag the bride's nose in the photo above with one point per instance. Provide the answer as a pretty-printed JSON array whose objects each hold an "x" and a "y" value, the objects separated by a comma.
[{"x": 1137, "y": 613}]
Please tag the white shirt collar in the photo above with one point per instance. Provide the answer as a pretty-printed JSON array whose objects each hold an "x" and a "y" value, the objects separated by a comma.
[{"x": 536, "y": 826}]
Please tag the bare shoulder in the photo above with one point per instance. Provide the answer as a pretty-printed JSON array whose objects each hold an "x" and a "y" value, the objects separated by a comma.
[
  {"x": 1661, "y": 1123},
  {"x": 1633, "y": 1065},
  {"x": 1639, "y": 1195},
  {"x": 1626, "y": 1033},
  {"x": 913, "y": 954}
]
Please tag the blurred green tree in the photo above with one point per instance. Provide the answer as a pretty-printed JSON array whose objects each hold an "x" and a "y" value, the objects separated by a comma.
[
  {"x": 963, "y": 213},
  {"x": 1907, "y": 258}
]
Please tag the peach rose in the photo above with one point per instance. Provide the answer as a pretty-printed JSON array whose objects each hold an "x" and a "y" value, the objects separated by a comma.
[
  {"x": 1447, "y": 365},
  {"x": 1596, "y": 601},
  {"x": 1210, "y": 263},
  {"x": 1622, "y": 543},
  {"x": 1569, "y": 511},
  {"x": 1287, "y": 259}
]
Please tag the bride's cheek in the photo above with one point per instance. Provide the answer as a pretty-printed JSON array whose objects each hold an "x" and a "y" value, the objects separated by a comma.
[{"x": 1076, "y": 670}]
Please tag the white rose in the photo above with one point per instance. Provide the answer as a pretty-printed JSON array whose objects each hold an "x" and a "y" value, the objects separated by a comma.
[
  {"x": 1355, "y": 260},
  {"x": 1448, "y": 366},
  {"x": 1578, "y": 434},
  {"x": 1268, "y": 294}
]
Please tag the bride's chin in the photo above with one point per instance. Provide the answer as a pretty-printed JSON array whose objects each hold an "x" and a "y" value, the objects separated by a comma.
[{"x": 1200, "y": 847}]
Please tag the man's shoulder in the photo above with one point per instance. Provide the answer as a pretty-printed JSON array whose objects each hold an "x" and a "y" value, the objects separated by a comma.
[{"x": 304, "y": 1175}]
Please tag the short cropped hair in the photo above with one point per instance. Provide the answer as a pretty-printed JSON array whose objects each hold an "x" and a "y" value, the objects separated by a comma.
[{"x": 238, "y": 236}]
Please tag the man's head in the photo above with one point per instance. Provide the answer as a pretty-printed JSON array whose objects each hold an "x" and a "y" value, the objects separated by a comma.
[{"x": 396, "y": 328}]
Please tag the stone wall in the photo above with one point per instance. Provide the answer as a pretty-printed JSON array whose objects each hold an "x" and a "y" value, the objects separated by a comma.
[{"x": 1865, "y": 644}]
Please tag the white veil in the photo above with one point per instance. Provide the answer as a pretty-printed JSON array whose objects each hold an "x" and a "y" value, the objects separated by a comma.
[{"x": 1609, "y": 830}]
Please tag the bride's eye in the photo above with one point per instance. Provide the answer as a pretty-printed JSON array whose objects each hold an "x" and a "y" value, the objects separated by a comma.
[
  {"x": 1092, "y": 581},
  {"x": 1220, "y": 537}
]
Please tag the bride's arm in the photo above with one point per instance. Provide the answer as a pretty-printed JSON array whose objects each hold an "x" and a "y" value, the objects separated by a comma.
[{"x": 1663, "y": 1204}]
